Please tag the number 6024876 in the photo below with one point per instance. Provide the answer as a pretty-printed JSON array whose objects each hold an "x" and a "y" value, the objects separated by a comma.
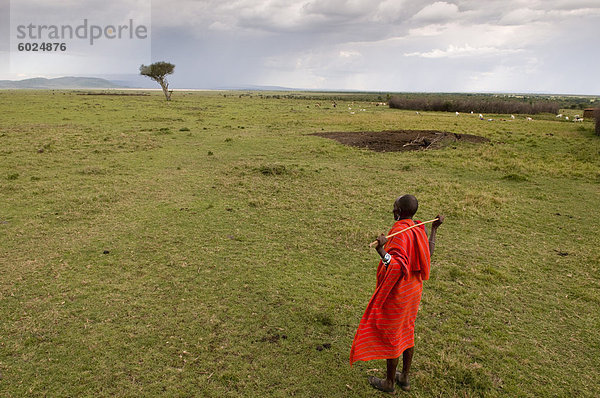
[{"x": 42, "y": 46}]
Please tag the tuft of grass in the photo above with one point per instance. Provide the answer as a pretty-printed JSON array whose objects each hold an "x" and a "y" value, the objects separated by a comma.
[
  {"x": 163, "y": 131},
  {"x": 455, "y": 274},
  {"x": 474, "y": 379},
  {"x": 515, "y": 177},
  {"x": 324, "y": 319},
  {"x": 273, "y": 170}
]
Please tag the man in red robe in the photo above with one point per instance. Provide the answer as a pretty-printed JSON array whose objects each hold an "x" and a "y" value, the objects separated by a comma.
[{"x": 386, "y": 329}]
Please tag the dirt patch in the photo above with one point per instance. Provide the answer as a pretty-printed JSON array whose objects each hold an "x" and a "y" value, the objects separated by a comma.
[
  {"x": 271, "y": 338},
  {"x": 324, "y": 346},
  {"x": 401, "y": 140}
]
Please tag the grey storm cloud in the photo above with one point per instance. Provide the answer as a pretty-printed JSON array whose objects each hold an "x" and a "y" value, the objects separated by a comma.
[
  {"x": 388, "y": 45},
  {"x": 305, "y": 16}
]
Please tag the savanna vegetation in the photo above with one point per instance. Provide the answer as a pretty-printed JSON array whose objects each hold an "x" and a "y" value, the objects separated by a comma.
[
  {"x": 212, "y": 246},
  {"x": 478, "y": 105}
]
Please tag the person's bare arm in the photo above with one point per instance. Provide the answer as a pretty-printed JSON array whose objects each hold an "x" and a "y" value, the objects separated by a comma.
[
  {"x": 381, "y": 240},
  {"x": 433, "y": 233}
]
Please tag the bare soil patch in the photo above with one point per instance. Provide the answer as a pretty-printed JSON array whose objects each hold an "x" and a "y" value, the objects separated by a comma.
[{"x": 401, "y": 140}]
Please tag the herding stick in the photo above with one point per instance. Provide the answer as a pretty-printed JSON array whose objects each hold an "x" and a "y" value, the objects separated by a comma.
[{"x": 405, "y": 229}]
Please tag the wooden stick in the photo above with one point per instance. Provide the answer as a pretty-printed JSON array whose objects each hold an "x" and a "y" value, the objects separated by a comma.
[{"x": 405, "y": 229}]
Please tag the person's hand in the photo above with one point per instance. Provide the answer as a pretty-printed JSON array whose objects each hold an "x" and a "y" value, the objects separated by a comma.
[
  {"x": 381, "y": 240},
  {"x": 438, "y": 222}
]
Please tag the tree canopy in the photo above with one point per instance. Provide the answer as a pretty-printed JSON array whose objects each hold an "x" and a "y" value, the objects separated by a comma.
[{"x": 157, "y": 70}]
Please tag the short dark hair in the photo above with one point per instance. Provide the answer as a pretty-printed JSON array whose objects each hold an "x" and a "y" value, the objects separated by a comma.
[{"x": 407, "y": 204}]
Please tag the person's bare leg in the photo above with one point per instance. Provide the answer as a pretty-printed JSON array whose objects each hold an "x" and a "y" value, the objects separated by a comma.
[
  {"x": 389, "y": 383},
  {"x": 407, "y": 357},
  {"x": 392, "y": 365},
  {"x": 402, "y": 378}
]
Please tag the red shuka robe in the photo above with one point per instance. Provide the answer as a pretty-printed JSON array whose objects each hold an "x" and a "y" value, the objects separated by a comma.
[{"x": 387, "y": 327}]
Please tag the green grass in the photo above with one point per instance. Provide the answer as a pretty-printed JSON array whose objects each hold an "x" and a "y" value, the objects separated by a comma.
[{"x": 207, "y": 246}]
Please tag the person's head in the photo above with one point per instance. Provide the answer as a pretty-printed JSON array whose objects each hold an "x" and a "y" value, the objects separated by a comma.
[{"x": 405, "y": 207}]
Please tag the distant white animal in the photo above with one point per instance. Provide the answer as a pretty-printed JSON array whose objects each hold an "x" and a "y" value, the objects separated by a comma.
[
  {"x": 566, "y": 118},
  {"x": 578, "y": 119},
  {"x": 417, "y": 113},
  {"x": 528, "y": 118},
  {"x": 559, "y": 115},
  {"x": 352, "y": 113},
  {"x": 512, "y": 116},
  {"x": 480, "y": 116},
  {"x": 457, "y": 113},
  {"x": 471, "y": 112}
]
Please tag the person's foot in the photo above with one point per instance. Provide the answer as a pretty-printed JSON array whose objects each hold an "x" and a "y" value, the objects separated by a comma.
[
  {"x": 381, "y": 384},
  {"x": 403, "y": 382}
]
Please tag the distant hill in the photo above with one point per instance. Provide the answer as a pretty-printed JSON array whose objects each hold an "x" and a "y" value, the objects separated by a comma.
[{"x": 60, "y": 83}]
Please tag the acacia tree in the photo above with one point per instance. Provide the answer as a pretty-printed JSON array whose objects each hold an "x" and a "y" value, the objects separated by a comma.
[{"x": 158, "y": 72}]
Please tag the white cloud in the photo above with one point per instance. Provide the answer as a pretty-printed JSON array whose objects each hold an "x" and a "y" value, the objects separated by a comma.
[
  {"x": 569, "y": 4},
  {"x": 522, "y": 16},
  {"x": 338, "y": 8},
  {"x": 574, "y": 13},
  {"x": 391, "y": 11},
  {"x": 349, "y": 54},
  {"x": 439, "y": 11},
  {"x": 430, "y": 30},
  {"x": 218, "y": 26},
  {"x": 463, "y": 51}
]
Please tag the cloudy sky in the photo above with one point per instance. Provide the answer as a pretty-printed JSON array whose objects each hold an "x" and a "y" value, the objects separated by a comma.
[{"x": 547, "y": 46}]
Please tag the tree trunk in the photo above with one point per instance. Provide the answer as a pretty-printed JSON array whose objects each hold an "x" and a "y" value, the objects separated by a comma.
[{"x": 165, "y": 88}]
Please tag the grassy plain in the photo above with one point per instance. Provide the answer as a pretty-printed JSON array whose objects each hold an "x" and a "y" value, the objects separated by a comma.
[{"x": 205, "y": 247}]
